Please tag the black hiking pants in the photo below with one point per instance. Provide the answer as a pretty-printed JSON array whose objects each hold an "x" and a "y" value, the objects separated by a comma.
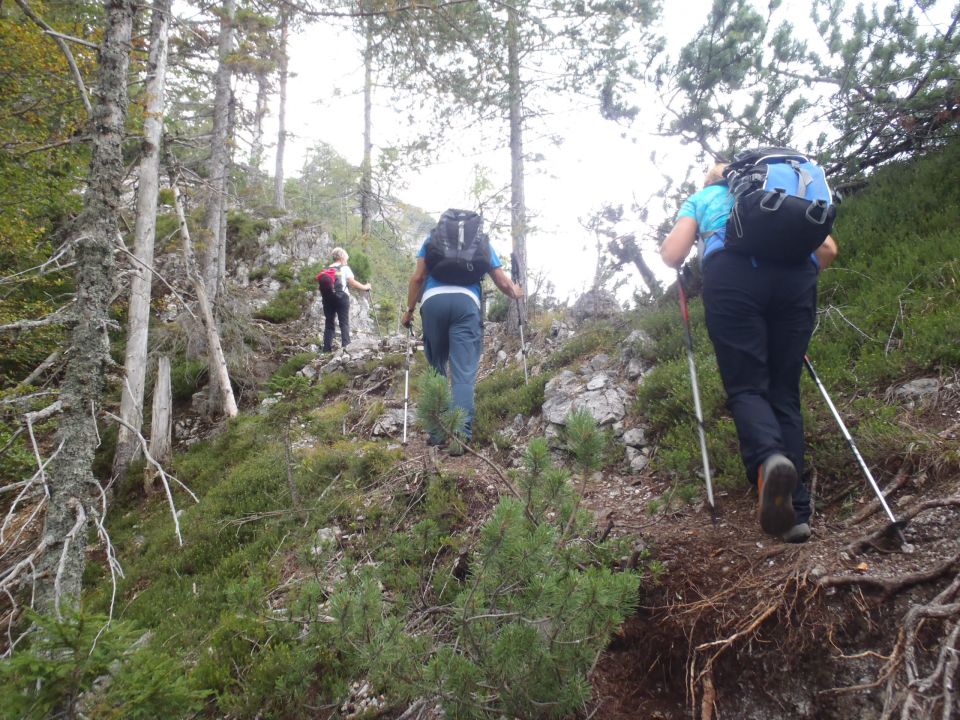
[
  {"x": 760, "y": 316},
  {"x": 336, "y": 307}
]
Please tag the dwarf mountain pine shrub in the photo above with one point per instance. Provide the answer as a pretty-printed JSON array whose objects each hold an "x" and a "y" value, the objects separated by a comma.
[
  {"x": 64, "y": 658},
  {"x": 516, "y": 634}
]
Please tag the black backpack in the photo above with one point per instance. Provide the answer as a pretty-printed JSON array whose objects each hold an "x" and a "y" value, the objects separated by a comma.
[
  {"x": 783, "y": 208},
  {"x": 458, "y": 251}
]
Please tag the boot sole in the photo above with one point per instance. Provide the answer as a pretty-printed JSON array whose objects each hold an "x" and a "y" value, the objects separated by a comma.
[{"x": 776, "y": 505}]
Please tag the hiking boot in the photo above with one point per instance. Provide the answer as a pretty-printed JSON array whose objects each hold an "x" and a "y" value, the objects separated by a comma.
[
  {"x": 775, "y": 483},
  {"x": 799, "y": 533},
  {"x": 455, "y": 448},
  {"x": 434, "y": 441}
]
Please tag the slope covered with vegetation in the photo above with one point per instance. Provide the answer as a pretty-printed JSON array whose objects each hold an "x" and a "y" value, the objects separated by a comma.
[{"x": 325, "y": 573}]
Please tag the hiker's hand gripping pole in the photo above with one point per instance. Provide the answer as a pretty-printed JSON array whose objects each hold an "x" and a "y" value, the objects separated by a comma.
[
  {"x": 515, "y": 276},
  {"x": 696, "y": 396},
  {"x": 896, "y": 526}
]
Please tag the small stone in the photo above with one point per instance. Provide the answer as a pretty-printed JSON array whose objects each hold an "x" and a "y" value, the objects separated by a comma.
[{"x": 634, "y": 369}]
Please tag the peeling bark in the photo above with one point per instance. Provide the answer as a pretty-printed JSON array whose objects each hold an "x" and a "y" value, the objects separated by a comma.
[
  {"x": 73, "y": 489},
  {"x": 366, "y": 167},
  {"x": 517, "y": 311}
]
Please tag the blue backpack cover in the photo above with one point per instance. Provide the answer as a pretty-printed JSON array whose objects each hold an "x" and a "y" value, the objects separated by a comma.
[{"x": 783, "y": 208}]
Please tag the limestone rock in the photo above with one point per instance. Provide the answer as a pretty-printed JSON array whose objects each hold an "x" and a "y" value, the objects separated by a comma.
[
  {"x": 390, "y": 422},
  {"x": 918, "y": 391},
  {"x": 635, "y": 437},
  {"x": 566, "y": 393},
  {"x": 595, "y": 304}
]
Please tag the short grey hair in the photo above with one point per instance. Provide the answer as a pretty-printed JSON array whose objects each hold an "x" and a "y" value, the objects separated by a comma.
[{"x": 339, "y": 254}]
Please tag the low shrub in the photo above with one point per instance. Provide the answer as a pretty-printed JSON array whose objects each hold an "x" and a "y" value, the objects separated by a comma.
[{"x": 288, "y": 304}]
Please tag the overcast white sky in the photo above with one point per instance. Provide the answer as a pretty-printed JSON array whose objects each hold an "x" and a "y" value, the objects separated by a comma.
[
  {"x": 598, "y": 162},
  {"x": 595, "y": 164}
]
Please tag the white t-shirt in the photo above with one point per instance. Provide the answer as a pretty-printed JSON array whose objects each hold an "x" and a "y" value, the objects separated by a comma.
[{"x": 344, "y": 274}]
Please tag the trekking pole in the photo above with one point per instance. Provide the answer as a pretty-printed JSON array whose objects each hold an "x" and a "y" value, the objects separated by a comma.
[
  {"x": 406, "y": 382},
  {"x": 373, "y": 311},
  {"x": 515, "y": 276},
  {"x": 696, "y": 396},
  {"x": 896, "y": 526}
]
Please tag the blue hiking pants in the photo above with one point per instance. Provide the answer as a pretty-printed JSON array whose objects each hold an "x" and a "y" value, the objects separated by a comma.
[
  {"x": 452, "y": 334},
  {"x": 760, "y": 316}
]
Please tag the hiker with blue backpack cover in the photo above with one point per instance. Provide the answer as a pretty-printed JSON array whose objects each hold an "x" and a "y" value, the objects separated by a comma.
[
  {"x": 334, "y": 282},
  {"x": 451, "y": 265},
  {"x": 764, "y": 222}
]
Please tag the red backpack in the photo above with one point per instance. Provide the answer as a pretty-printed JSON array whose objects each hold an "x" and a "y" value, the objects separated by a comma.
[{"x": 327, "y": 280}]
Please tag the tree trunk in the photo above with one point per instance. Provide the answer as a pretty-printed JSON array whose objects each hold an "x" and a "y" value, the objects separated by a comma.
[
  {"x": 278, "y": 198},
  {"x": 217, "y": 167},
  {"x": 219, "y": 375},
  {"x": 626, "y": 250},
  {"x": 138, "y": 322},
  {"x": 259, "y": 113},
  {"x": 161, "y": 421},
  {"x": 74, "y": 498},
  {"x": 518, "y": 208},
  {"x": 366, "y": 168}
]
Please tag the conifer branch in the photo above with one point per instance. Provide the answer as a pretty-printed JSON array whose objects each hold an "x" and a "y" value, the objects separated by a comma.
[{"x": 58, "y": 38}]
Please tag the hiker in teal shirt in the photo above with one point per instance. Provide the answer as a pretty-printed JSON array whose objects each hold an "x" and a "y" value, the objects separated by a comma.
[
  {"x": 760, "y": 316},
  {"x": 710, "y": 208}
]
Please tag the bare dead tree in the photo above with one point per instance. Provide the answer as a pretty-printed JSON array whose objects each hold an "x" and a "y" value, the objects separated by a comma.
[
  {"x": 216, "y": 358},
  {"x": 138, "y": 322}
]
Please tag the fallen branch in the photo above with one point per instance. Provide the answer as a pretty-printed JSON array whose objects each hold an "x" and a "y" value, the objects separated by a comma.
[
  {"x": 40, "y": 369},
  {"x": 164, "y": 476}
]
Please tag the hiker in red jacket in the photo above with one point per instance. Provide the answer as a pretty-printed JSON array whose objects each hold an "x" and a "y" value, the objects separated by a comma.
[{"x": 760, "y": 316}]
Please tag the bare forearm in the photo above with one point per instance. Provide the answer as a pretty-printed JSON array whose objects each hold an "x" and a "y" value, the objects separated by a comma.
[
  {"x": 413, "y": 292},
  {"x": 505, "y": 284},
  {"x": 827, "y": 253}
]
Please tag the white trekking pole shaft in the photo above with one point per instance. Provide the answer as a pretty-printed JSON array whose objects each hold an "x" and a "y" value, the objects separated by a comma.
[
  {"x": 406, "y": 385},
  {"x": 849, "y": 439},
  {"x": 696, "y": 396}
]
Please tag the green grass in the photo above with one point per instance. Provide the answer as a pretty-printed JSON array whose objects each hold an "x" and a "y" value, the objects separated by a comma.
[{"x": 501, "y": 397}]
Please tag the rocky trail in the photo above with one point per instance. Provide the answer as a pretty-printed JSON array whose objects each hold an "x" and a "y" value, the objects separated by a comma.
[{"x": 731, "y": 623}]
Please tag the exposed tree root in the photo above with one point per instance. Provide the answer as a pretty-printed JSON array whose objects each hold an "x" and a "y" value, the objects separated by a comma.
[
  {"x": 873, "y": 537},
  {"x": 920, "y": 676},
  {"x": 902, "y": 478},
  {"x": 892, "y": 585}
]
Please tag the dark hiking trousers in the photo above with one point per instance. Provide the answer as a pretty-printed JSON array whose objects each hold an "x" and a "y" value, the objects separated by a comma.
[
  {"x": 452, "y": 335},
  {"x": 336, "y": 306},
  {"x": 760, "y": 316}
]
